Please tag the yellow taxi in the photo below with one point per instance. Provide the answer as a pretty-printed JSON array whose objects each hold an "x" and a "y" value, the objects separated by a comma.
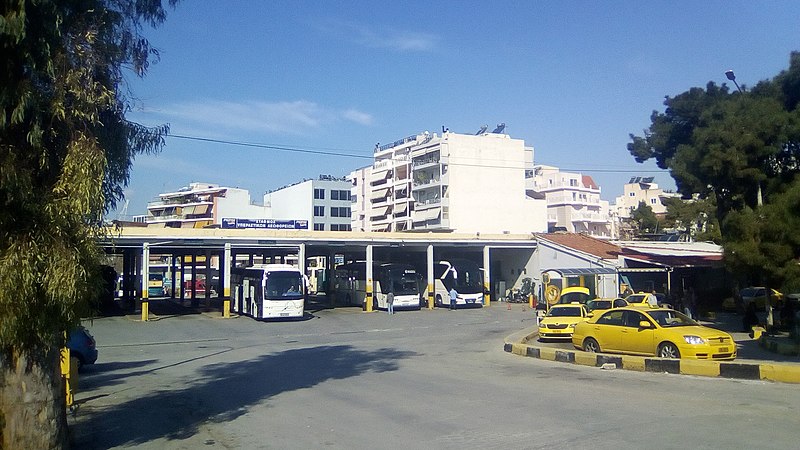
[
  {"x": 560, "y": 321},
  {"x": 660, "y": 332},
  {"x": 598, "y": 306},
  {"x": 642, "y": 300}
]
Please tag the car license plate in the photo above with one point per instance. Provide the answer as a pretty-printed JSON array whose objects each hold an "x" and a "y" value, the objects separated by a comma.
[
  {"x": 723, "y": 349},
  {"x": 284, "y": 314}
]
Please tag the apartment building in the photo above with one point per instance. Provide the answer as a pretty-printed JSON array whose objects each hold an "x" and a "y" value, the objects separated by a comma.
[
  {"x": 325, "y": 203},
  {"x": 450, "y": 182},
  {"x": 200, "y": 205},
  {"x": 573, "y": 202},
  {"x": 642, "y": 189}
]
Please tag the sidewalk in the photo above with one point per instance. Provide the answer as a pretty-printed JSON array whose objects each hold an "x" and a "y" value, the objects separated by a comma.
[{"x": 777, "y": 348}]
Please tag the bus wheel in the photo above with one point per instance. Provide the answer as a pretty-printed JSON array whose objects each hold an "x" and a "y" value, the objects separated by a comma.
[
  {"x": 438, "y": 300},
  {"x": 374, "y": 304}
]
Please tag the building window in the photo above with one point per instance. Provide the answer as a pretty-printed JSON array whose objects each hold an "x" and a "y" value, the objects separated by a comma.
[
  {"x": 319, "y": 194},
  {"x": 319, "y": 227},
  {"x": 340, "y": 227},
  {"x": 344, "y": 195},
  {"x": 573, "y": 182},
  {"x": 652, "y": 201},
  {"x": 632, "y": 194},
  {"x": 319, "y": 211},
  {"x": 342, "y": 211}
]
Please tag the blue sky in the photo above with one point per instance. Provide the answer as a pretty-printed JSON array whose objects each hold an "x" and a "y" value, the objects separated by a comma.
[{"x": 571, "y": 78}]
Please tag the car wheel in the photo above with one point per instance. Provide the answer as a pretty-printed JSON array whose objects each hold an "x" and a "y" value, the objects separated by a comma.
[
  {"x": 668, "y": 350},
  {"x": 591, "y": 346}
]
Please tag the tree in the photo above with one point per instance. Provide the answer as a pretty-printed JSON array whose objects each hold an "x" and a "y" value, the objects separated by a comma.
[
  {"x": 694, "y": 218},
  {"x": 736, "y": 150},
  {"x": 644, "y": 218},
  {"x": 66, "y": 151}
]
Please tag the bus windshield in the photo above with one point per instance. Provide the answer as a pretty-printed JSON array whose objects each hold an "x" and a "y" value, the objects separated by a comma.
[
  {"x": 401, "y": 281},
  {"x": 284, "y": 286},
  {"x": 467, "y": 277}
]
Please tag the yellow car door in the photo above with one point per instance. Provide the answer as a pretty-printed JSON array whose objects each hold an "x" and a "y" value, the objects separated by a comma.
[
  {"x": 636, "y": 339},
  {"x": 607, "y": 331}
]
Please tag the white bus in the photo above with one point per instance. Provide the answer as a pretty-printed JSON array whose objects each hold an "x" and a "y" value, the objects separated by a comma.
[
  {"x": 268, "y": 291},
  {"x": 401, "y": 279},
  {"x": 462, "y": 274}
]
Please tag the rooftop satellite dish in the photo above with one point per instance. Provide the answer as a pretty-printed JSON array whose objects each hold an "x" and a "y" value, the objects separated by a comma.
[
  {"x": 482, "y": 130},
  {"x": 500, "y": 128}
]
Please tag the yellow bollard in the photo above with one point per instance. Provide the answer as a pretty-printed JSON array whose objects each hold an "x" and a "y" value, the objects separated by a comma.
[
  {"x": 69, "y": 372},
  {"x": 368, "y": 297},
  {"x": 226, "y": 308},
  {"x": 145, "y": 310}
]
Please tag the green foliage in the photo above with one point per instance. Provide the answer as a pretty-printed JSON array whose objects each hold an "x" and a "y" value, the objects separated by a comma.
[
  {"x": 728, "y": 150},
  {"x": 65, "y": 154},
  {"x": 644, "y": 218},
  {"x": 695, "y": 218}
]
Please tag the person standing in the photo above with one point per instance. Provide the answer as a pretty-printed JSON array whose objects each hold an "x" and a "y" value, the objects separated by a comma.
[
  {"x": 390, "y": 302},
  {"x": 453, "y": 297}
]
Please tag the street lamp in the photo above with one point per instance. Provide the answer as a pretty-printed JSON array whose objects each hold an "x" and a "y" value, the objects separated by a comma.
[{"x": 732, "y": 77}]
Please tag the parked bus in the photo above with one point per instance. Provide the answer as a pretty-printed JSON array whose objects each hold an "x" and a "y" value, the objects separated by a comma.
[
  {"x": 462, "y": 274},
  {"x": 155, "y": 285},
  {"x": 401, "y": 279},
  {"x": 268, "y": 291}
]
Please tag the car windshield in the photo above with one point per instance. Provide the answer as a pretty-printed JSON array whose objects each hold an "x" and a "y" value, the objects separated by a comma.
[
  {"x": 752, "y": 292},
  {"x": 669, "y": 318},
  {"x": 572, "y": 297},
  {"x": 564, "y": 311},
  {"x": 598, "y": 304},
  {"x": 637, "y": 298}
]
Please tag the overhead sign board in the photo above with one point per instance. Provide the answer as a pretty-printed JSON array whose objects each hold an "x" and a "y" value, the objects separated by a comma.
[{"x": 271, "y": 224}]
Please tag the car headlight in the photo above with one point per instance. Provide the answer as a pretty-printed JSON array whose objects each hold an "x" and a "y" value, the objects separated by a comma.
[
  {"x": 694, "y": 340},
  {"x": 572, "y": 325}
]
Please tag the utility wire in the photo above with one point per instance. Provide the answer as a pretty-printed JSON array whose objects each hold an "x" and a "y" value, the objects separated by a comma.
[{"x": 354, "y": 155}]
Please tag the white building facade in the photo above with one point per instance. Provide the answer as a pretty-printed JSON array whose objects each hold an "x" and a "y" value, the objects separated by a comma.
[
  {"x": 642, "y": 189},
  {"x": 452, "y": 182},
  {"x": 325, "y": 203},
  {"x": 573, "y": 202}
]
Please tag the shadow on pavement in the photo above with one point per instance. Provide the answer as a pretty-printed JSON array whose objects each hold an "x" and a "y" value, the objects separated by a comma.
[{"x": 222, "y": 392}]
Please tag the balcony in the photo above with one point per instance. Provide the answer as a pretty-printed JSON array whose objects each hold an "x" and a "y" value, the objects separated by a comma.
[
  {"x": 593, "y": 217},
  {"x": 434, "y": 202}
]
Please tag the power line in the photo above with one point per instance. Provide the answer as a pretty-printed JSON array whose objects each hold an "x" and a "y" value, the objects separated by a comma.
[
  {"x": 269, "y": 147},
  {"x": 312, "y": 151}
]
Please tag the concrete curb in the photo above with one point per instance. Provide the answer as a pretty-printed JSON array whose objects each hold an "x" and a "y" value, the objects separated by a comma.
[
  {"x": 780, "y": 348},
  {"x": 518, "y": 344}
]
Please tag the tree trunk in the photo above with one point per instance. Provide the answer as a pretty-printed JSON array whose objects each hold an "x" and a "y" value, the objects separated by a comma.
[{"x": 32, "y": 402}]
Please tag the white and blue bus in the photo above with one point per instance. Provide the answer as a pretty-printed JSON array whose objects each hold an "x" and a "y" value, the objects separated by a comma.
[
  {"x": 268, "y": 291},
  {"x": 464, "y": 275},
  {"x": 400, "y": 279}
]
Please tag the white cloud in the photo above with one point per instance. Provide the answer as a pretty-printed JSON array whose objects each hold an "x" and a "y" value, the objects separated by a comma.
[
  {"x": 400, "y": 40},
  {"x": 357, "y": 116},
  {"x": 290, "y": 117}
]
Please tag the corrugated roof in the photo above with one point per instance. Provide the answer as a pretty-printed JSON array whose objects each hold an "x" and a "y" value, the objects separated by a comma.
[{"x": 584, "y": 243}]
